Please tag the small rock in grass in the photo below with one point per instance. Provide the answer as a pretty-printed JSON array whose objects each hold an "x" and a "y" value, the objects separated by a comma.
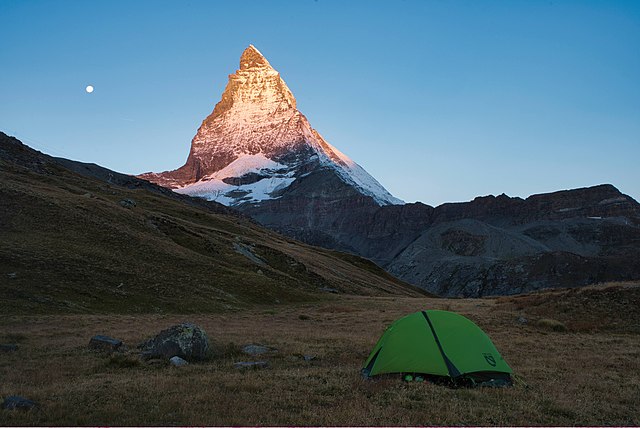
[
  {"x": 523, "y": 320},
  {"x": 251, "y": 365},
  {"x": 253, "y": 349},
  {"x": 15, "y": 402},
  {"x": 105, "y": 343},
  {"x": 9, "y": 347},
  {"x": 128, "y": 203},
  {"x": 309, "y": 357},
  {"x": 177, "y": 361}
]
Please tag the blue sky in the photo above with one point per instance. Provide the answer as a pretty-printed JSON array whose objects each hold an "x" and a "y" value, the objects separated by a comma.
[{"x": 439, "y": 100}]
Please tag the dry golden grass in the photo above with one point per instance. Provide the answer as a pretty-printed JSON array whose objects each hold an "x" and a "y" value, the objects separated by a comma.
[
  {"x": 574, "y": 378},
  {"x": 550, "y": 324},
  {"x": 608, "y": 307}
]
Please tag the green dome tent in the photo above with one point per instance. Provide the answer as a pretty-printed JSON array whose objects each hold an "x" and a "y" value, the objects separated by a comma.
[{"x": 439, "y": 344}]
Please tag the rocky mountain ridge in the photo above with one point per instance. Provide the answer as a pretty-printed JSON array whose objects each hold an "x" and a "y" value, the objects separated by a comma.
[{"x": 489, "y": 246}]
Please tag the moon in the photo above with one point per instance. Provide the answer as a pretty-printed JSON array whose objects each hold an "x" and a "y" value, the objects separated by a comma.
[{"x": 89, "y": 89}]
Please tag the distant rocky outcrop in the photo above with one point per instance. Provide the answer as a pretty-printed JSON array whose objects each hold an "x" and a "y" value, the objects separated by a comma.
[{"x": 501, "y": 245}]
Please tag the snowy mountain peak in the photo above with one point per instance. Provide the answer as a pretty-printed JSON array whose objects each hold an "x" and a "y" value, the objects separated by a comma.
[{"x": 256, "y": 143}]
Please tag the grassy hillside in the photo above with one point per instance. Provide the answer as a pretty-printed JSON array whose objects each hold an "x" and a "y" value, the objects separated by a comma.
[
  {"x": 72, "y": 243},
  {"x": 574, "y": 376}
]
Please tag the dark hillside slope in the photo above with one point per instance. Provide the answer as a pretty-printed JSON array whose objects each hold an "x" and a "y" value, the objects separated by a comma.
[{"x": 103, "y": 241}]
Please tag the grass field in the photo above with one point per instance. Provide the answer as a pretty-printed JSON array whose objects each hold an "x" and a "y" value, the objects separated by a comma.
[{"x": 588, "y": 374}]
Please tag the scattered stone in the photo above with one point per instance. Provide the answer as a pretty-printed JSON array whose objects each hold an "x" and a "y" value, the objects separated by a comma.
[
  {"x": 247, "y": 251},
  {"x": 105, "y": 344},
  {"x": 187, "y": 341},
  {"x": 252, "y": 349},
  {"x": 128, "y": 203},
  {"x": 15, "y": 402},
  {"x": 178, "y": 362},
  {"x": 309, "y": 357},
  {"x": 329, "y": 290},
  {"x": 251, "y": 365},
  {"x": 523, "y": 320},
  {"x": 8, "y": 347}
]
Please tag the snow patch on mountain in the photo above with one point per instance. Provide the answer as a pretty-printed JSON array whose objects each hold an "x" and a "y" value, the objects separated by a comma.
[
  {"x": 354, "y": 173},
  {"x": 269, "y": 176},
  {"x": 246, "y": 164},
  {"x": 349, "y": 171}
]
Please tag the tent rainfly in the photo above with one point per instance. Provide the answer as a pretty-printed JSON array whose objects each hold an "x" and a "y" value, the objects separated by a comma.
[{"x": 440, "y": 345}]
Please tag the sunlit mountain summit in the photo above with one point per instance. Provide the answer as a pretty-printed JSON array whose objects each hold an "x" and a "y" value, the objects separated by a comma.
[{"x": 256, "y": 144}]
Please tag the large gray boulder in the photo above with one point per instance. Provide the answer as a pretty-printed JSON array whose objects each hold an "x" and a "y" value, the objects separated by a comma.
[{"x": 187, "y": 341}]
